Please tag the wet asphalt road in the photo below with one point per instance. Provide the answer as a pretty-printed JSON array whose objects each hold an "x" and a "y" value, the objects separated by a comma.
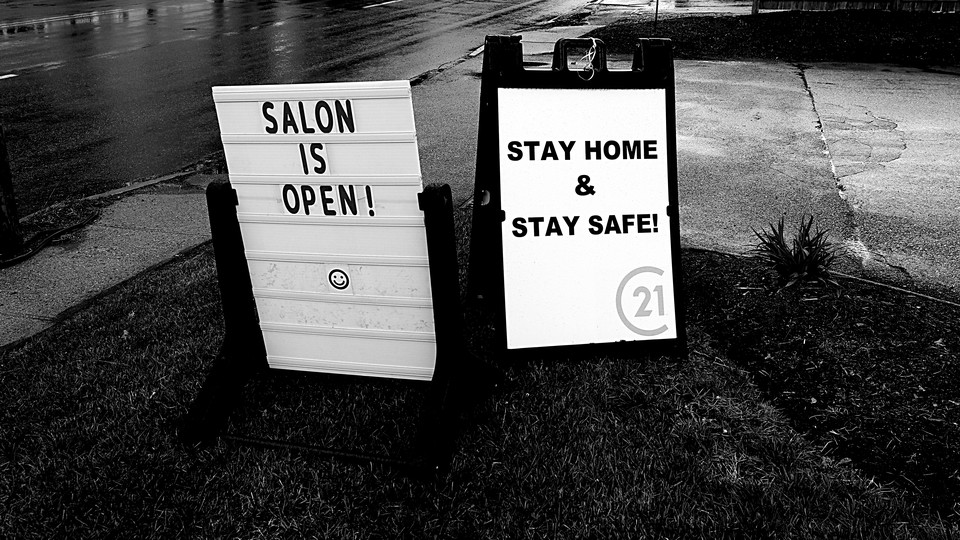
[{"x": 93, "y": 96}]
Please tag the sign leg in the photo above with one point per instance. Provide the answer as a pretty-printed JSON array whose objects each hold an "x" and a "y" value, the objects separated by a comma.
[
  {"x": 243, "y": 352},
  {"x": 457, "y": 374},
  {"x": 502, "y": 57}
]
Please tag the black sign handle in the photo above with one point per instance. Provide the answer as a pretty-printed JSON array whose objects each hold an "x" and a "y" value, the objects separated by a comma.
[
  {"x": 654, "y": 58},
  {"x": 561, "y": 52}
]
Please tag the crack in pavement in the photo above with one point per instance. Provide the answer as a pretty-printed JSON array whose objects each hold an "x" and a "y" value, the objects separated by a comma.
[
  {"x": 854, "y": 246},
  {"x": 801, "y": 71}
]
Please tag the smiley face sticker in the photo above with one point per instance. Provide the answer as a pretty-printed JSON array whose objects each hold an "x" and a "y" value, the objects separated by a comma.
[{"x": 338, "y": 279}]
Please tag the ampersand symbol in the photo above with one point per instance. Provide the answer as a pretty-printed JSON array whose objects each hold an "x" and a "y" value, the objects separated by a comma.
[{"x": 583, "y": 186}]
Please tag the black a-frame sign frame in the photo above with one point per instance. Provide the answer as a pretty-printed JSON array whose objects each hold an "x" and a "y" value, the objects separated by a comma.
[
  {"x": 243, "y": 354},
  {"x": 503, "y": 69}
]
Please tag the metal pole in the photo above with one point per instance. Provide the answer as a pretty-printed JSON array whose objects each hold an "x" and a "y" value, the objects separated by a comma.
[
  {"x": 656, "y": 16},
  {"x": 10, "y": 238}
]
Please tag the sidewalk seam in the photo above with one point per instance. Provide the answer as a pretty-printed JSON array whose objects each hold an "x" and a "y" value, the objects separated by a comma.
[
  {"x": 802, "y": 71},
  {"x": 855, "y": 245},
  {"x": 38, "y": 318}
]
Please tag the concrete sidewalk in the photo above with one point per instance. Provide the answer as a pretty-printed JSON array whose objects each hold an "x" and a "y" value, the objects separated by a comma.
[
  {"x": 756, "y": 141},
  {"x": 140, "y": 230}
]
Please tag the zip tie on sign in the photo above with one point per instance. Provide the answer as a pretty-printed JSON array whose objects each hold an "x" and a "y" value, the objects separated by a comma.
[{"x": 587, "y": 60}]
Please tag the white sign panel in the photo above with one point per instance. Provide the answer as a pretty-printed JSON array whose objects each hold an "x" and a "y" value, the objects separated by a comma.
[
  {"x": 327, "y": 177},
  {"x": 586, "y": 239}
]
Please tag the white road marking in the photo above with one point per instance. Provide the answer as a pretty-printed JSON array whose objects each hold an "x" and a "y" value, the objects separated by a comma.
[
  {"x": 8, "y": 76},
  {"x": 382, "y": 3}
]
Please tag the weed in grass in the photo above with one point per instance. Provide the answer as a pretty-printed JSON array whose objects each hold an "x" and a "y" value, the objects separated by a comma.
[{"x": 806, "y": 258}]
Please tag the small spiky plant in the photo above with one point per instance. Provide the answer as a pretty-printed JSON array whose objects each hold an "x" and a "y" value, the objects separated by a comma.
[{"x": 808, "y": 258}]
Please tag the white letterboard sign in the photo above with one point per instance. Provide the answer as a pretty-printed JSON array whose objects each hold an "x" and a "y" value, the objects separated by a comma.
[
  {"x": 584, "y": 187},
  {"x": 327, "y": 178}
]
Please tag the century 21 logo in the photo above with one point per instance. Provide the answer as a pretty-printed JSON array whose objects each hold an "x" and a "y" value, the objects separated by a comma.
[{"x": 643, "y": 284}]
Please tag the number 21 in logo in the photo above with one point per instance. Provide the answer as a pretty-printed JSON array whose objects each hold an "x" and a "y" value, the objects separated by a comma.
[{"x": 640, "y": 301}]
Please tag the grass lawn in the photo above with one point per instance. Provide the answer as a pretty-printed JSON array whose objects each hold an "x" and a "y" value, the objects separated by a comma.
[
  {"x": 594, "y": 447},
  {"x": 812, "y": 413},
  {"x": 866, "y": 373}
]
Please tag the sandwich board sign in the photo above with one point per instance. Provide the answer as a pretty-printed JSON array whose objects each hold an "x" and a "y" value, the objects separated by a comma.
[
  {"x": 327, "y": 178},
  {"x": 581, "y": 213}
]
